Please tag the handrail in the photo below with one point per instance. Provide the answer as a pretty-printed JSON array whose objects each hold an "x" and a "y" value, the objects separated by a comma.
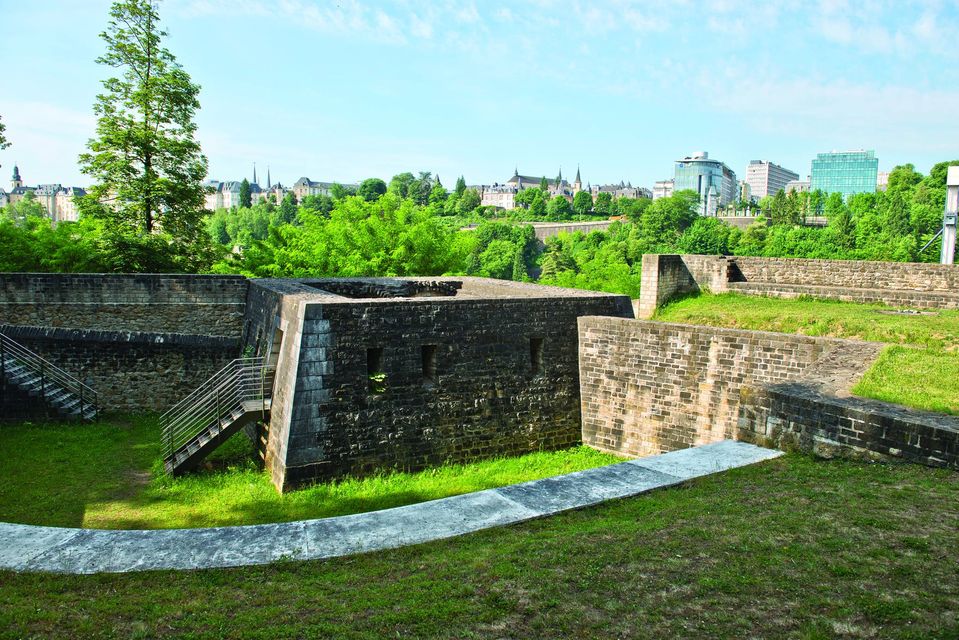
[
  {"x": 241, "y": 381},
  {"x": 13, "y": 351}
]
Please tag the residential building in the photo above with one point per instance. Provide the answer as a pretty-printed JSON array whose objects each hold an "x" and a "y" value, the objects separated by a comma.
[
  {"x": 662, "y": 189},
  {"x": 715, "y": 183},
  {"x": 767, "y": 179},
  {"x": 498, "y": 195},
  {"x": 621, "y": 190},
  {"x": 226, "y": 195},
  {"x": 882, "y": 181},
  {"x": 504, "y": 195},
  {"x": 845, "y": 172},
  {"x": 306, "y": 187},
  {"x": 58, "y": 201}
]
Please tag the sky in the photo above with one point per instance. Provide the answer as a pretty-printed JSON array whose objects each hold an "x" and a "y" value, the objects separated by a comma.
[{"x": 341, "y": 90}]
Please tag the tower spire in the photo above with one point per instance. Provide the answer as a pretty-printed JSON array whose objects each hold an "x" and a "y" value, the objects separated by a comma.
[
  {"x": 254, "y": 173},
  {"x": 268, "y": 185}
]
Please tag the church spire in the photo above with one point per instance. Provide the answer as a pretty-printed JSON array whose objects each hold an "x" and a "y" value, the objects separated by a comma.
[
  {"x": 268, "y": 185},
  {"x": 254, "y": 173},
  {"x": 17, "y": 182},
  {"x": 577, "y": 180}
]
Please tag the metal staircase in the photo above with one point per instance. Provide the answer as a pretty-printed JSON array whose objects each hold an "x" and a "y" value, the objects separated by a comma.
[
  {"x": 34, "y": 376},
  {"x": 235, "y": 396}
]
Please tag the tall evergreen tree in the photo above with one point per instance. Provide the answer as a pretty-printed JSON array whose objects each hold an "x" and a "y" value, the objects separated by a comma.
[
  {"x": 460, "y": 186},
  {"x": 544, "y": 185},
  {"x": 146, "y": 162},
  {"x": 246, "y": 196}
]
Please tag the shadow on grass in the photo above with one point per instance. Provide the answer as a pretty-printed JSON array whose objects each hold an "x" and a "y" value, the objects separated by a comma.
[{"x": 109, "y": 475}]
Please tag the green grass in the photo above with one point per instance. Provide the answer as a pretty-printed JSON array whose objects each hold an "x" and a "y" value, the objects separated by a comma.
[
  {"x": 923, "y": 378},
  {"x": 790, "y": 548},
  {"x": 922, "y": 371},
  {"x": 107, "y": 476}
]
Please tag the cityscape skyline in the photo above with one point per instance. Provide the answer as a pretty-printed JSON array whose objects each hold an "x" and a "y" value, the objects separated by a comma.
[{"x": 357, "y": 91}]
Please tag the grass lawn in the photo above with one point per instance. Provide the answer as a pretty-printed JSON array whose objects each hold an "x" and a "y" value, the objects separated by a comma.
[
  {"x": 107, "y": 476},
  {"x": 922, "y": 371},
  {"x": 790, "y": 548}
]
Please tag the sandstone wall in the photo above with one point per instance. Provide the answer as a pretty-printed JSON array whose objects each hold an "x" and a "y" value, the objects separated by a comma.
[
  {"x": 915, "y": 285},
  {"x": 652, "y": 387},
  {"x": 853, "y": 274}
]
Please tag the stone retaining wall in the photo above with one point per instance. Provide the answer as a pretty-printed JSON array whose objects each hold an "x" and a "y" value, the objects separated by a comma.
[
  {"x": 130, "y": 371},
  {"x": 142, "y": 341},
  {"x": 652, "y": 387},
  {"x": 853, "y": 274},
  {"x": 155, "y": 303},
  {"x": 915, "y": 285}
]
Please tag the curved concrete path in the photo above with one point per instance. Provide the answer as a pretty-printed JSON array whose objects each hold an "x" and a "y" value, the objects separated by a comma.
[{"x": 31, "y": 548}]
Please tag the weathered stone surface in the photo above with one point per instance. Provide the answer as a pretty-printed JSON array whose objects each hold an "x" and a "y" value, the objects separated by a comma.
[
  {"x": 142, "y": 341},
  {"x": 649, "y": 387},
  {"x": 483, "y": 393},
  {"x": 915, "y": 285}
]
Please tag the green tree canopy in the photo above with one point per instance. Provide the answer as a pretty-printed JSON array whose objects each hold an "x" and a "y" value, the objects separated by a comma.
[
  {"x": 583, "y": 203},
  {"x": 371, "y": 189},
  {"x": 460, "y": 186},
  {"x": 559, "y": 208},
  {"x": 147, "y": 165}
]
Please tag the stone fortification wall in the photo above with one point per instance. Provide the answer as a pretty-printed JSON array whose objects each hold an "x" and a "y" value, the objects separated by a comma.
[
  {"x": 155, "y": 303},
  {"x": 652, "y": 387},
  {"x": 130, "y": 371},
  {"x": 142, "y": 341},
  {"x": 916, "y": 285},
  {"x": 465, "y": 378},
  {"x": 853, "y": 274},
  {"x": 666, "y": 276}
]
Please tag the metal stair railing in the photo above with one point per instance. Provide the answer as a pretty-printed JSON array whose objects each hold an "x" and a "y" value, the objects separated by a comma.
[
  {"x": 228, "y": 391},
  {"x": 52, "y": 377}
]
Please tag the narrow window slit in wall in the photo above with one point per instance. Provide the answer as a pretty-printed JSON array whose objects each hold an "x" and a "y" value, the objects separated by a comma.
[
  {"x": 429, "y": 364},
  {"x": 536, "y": 355},
  {"x": 374, "y": 370}
]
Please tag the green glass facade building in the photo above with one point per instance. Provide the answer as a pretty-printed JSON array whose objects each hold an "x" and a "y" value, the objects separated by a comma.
[{"x": 845, "y": 172}]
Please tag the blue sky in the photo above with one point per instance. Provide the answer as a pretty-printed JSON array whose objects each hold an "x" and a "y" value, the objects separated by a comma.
[{"x": 343, "y": 90}]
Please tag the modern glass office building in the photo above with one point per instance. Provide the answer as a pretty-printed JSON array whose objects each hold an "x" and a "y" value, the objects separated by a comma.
[
  {"x": 715, "y": 183},
  {"x": 845, "y": 172}
]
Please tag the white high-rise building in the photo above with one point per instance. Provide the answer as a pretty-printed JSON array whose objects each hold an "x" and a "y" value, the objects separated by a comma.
[
  {"x": 767, "y": 179},
  {"x": 662, "y": 189}
]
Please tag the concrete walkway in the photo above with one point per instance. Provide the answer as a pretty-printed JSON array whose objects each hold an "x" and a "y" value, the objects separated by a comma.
[{"x": 30, "y": 548}]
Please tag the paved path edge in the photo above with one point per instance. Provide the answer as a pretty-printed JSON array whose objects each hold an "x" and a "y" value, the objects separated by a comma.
[{"x": 29, "y": 548}]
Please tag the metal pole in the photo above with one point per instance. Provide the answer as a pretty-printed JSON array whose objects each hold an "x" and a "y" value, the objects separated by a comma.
[{"x": 949, "y": 218}]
